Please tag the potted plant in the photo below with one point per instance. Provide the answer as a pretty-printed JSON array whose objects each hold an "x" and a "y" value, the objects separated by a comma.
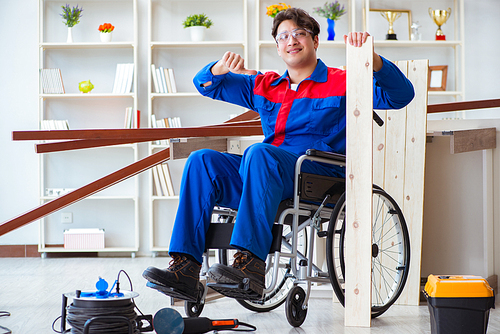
[
  {"x": 106, "y": 31},
  {"x": 71, "y": 17},
  {"x": 332, "y": 11},
  {"x": 197, "y": 24}
]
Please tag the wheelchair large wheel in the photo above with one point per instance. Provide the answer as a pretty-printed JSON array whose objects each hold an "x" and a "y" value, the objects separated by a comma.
[
  {"x": 285, "y": 279},
  {"x": 390, "y": 251}
]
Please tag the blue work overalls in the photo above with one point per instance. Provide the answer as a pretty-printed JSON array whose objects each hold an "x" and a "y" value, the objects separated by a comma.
[{"x": 313, "y": 116}]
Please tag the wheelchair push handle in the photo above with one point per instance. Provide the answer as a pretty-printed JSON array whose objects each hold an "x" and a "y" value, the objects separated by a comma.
[{"x": 377, "y": 119}]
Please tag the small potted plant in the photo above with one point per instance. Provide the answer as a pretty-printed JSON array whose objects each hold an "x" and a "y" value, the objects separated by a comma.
[
  {"x": 197, "y": 24},
  {"x": 106, "y": 31},
  {"x": 332, "y": 11},
  {"x": 273, "y": 10},
  {"x": 71, "y": 17}
]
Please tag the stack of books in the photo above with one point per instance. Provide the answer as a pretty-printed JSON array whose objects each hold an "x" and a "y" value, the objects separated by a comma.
[
  {"x": 163, "y": 79},
  {"x": 52, "y": 82},
  {"x": 51, "y": 124},
  {"x": 162, "y": 180},
  {"x": 132, "y": 119},
  {"x": 123, "y": 78},
  {"x": 169, "y": 122}
]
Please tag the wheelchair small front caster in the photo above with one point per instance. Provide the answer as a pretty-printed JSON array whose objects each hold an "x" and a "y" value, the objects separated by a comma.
[
  {"x": 295, "y": 314},
  {"x": 194, "y": 309}
]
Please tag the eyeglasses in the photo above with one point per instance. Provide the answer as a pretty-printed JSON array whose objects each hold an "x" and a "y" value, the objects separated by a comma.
[{"x": 299, "y": 33}]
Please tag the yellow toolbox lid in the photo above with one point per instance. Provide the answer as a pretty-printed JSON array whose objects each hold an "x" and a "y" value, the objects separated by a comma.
[{"x": 453, "y": 286}]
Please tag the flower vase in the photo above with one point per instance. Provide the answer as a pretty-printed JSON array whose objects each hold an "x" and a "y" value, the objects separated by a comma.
[
  {"x": 197, "y": 33},
  {"x": 106, "y": 37},
  {"x": 70, "y": 35},
  {"x": 331, "y": 29}
]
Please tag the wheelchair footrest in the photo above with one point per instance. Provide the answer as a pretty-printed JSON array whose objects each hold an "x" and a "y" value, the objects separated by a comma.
[
  {"x": 246, "y": 290},
  {"x": 176, "y": 293}
]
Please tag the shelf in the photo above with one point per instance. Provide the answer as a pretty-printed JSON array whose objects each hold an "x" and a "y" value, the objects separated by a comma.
[
  {"x": 85, "y": 96},
  {"x": 197, "y": 44},
  {"x": 417, "y": 44},
  {"x": 445, "y": 93},
  {"x": 133, "y": 198},
  {"x": 156, "y": 198},
  {"x": 100, "y": 250},
  {"x": 87, "y": 45},
  {"x": 395, "y": 44},
  {"x": 187, "y": 94}
]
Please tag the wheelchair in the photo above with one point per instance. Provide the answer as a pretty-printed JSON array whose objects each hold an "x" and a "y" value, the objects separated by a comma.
[{"x": 317, "y": 209}]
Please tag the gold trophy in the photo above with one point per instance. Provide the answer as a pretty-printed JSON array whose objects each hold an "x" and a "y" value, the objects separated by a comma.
[
  {"x": 440, "y": 17},
  {"x": 391, "y": 17}
]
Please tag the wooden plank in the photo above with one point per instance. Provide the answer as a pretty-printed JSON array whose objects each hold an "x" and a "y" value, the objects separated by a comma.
[
  {"x": 394, "y": 172},
  {"x": 379, "y": 134},
  {"x": 464, "y": 105},
  {"x": 182, "y": 148},
  {"x": 140, "y": 134},
  {"x": 85, "y": 191},
  {"x": 395, "y": 148},
  {"x": 473, "y": 140},
  {"x": 359, "y": 171},
  {"x": 412, "y": 207}
]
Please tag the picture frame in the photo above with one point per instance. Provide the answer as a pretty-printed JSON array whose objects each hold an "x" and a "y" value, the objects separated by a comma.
[
  {"x": 385, "y": 23},
  {"x": 437, "y": 78}
]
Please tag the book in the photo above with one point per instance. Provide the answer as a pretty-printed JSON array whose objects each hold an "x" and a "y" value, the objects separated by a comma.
[
  {"x": 161, "y": 88},
  {"x": 130, "y": 79},
  {"x": 118, "y": 79},
  {"x": 156, "y": 182},
  {"x": 163, "y": 80},
  {"x": 168, "y": 179},
  {"x": 154, "y": 78},
  {"x": 167, "y": 79},
  {"x": 163, "y": 180},
  {"x": 172, "y": 80}
]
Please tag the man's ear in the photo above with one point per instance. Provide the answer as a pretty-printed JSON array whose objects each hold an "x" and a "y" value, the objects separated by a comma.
[{"x": 316, "y": 42}]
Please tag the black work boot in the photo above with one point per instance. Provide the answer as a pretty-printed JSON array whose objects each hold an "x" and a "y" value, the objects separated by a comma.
[
  {"x": 180, "y": 280},
  {"x": 245, "y": 265}
]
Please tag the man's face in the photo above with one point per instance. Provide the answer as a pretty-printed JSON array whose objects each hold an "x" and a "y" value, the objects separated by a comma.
[{"x": 299, "y": 51}]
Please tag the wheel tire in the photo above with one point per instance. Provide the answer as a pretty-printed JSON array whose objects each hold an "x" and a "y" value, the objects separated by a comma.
[
  {"x": 295, "y": 314},
  {"x": 278, "y": 296},
  {"x": 194, "y": 309},
  {"x": 390, "y": 251}
]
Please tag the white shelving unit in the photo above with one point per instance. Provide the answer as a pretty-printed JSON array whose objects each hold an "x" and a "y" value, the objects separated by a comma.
[
  {"x": 358, "y": 18},
  {"x": 98, "y": 109},
  {"x": 170, "y": 47},
  {"x": 454, "y": 30}
]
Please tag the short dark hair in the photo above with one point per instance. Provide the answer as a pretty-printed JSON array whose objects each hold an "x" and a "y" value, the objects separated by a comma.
[{"x": 301, "y": 18}]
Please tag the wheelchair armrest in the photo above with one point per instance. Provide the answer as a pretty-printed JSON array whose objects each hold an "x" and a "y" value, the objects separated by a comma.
[{"x": 327, "y": 155}]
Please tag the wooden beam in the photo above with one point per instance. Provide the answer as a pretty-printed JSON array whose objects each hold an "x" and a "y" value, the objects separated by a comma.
[
  {"x": 180, "y": 149},
  {"x": 464, "y": 105},
  {"x": 359, "y": 170},
  {"x": 468, "y": 140},
  {"x": 85, "y": 191},
  {"x": 473, "y": 140},
  {"x": 81, "y": 139},
  {"x": 140, "y": 134}
]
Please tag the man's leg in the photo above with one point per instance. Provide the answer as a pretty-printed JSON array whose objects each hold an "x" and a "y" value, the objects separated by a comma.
[
  {"x": 267, "y": 173},
  {"x": 209, "y": 178}
]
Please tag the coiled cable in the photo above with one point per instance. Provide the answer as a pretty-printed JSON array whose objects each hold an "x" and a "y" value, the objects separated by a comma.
[{"x": 78, "y": 316}]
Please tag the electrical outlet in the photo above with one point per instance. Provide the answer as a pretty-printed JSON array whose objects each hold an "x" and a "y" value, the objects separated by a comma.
[
  {"x": 234, "y": 146},
  {"x": 66, "y": 217}
]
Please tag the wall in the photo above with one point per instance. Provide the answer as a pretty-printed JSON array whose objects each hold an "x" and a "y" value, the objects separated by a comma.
[{"x": 18, "y": 89}]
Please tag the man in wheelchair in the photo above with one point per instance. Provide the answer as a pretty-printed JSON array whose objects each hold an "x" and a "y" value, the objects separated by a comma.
[{"x": 302, "y": 109}]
